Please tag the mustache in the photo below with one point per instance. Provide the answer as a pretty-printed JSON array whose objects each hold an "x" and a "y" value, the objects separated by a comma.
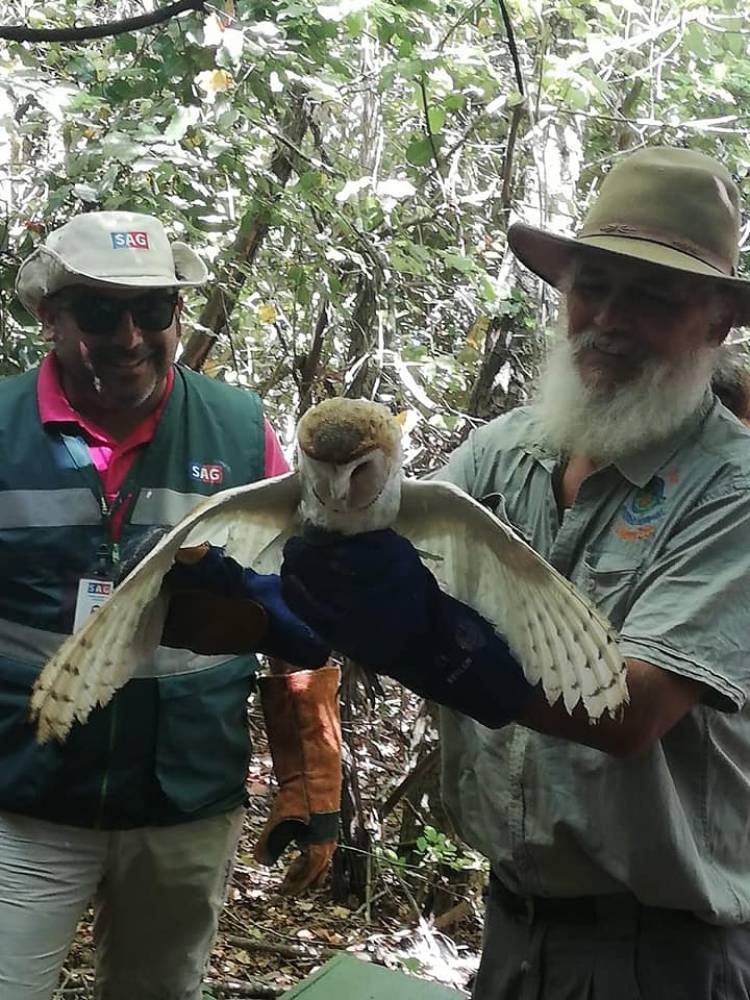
[
  {"x": 616, "y": 344},
  {"x": 107, "y": 356}
]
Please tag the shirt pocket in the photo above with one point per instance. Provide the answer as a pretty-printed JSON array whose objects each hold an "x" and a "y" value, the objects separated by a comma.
[
  {"x": 607, "y": 580},
  {"x": 203, "y": 742},
  {"x": 496, "y": 503}
]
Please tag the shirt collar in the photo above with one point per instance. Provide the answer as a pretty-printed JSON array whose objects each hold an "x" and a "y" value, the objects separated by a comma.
[
  {"x": 640, "y": 466},
  {"x": 54, "y": 406}
]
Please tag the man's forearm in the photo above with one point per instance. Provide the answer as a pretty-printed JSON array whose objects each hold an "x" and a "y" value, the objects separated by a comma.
[{"x": 658, "y": 700}]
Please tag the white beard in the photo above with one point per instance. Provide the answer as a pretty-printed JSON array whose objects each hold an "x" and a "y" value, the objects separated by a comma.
[{"x": 605, "y": 423}]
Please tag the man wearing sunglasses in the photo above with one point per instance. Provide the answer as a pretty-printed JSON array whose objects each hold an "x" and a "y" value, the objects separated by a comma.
[{"x": 141, "y": 809}]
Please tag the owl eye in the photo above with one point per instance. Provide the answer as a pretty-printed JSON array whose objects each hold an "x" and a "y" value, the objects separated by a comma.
[{"x": 359, "y": 470}]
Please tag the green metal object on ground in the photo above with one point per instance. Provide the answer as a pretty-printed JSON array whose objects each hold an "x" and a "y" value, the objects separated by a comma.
[{"x": 347, "y": 978}]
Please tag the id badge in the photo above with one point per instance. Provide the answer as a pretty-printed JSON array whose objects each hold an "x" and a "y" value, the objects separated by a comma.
[{"x": 92, "y": 593}]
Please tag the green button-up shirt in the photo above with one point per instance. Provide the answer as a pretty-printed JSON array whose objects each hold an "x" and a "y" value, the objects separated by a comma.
[{"x": 661, "y": 543}]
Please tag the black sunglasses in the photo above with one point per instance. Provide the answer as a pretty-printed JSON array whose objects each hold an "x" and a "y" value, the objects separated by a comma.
[{"x": 99, "y": 314}]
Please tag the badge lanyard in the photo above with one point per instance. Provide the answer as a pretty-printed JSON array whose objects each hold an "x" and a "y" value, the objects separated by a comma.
[
  {"x": 108, "y": 555},
  {"x": 95, "y": 588}
]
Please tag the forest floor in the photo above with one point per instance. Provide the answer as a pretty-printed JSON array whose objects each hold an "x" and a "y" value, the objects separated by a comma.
[{"x": 268, "y": 942}]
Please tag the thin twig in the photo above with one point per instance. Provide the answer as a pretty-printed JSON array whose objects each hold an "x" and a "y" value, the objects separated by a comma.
[
  {"x": 431, "y": 138},
  {"x": 285, "y": 950},
  {"x": 239, "y": 988},
  {"x": 457, "y": 24},
  {"x": 513, "y": 47},
  {"x": 20, "y": 33}
]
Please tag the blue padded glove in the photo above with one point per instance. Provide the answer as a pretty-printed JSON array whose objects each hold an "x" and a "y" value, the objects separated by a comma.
[
  {"x": 285, "y": 636},
  {"x": 371, "y": 597}
]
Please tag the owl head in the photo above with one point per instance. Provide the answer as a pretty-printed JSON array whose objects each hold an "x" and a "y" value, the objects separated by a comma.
[{"x": 349, "y": 462}]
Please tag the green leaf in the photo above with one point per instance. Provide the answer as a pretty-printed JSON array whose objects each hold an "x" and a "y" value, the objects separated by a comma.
[
  {"x": 419, "y": 152},
  {"x": 576, "y": 98},
  {"x": 342, "y": 9},
  {"x": 696, "y": 42},
  {"x": 487, "y": 288},
  {"x": 309, "y": 181},
  {"x": 181, "y": 121},
  {"x": 411, "y": 964},
  {"x": 459, "y": 262},
  {"x": 436, "y": 118},
  {"x": 454, "y": 102},
  {"x": 126, "y": 43},
  {"x": 735, "y": 43}
]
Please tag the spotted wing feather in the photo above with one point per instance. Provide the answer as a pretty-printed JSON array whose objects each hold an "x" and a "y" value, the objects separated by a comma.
[
  {"x": 561, "y": 640},
  {"x": 251, "y": 523}
]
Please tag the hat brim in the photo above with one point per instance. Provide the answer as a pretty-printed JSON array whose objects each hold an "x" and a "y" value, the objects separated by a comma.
[
  {"x": 44, "y": 272},
  {"x": 549, "y": 256}
]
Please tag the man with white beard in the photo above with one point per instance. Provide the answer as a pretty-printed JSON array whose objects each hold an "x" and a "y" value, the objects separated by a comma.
[{"x": 619, "y": 852}]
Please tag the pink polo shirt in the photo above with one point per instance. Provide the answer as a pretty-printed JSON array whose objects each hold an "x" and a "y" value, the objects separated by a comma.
[{"x": 113, "y": 459}]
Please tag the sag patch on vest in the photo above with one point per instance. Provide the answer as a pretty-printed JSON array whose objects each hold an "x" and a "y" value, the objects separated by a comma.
[{"x": 208, "y": 473}]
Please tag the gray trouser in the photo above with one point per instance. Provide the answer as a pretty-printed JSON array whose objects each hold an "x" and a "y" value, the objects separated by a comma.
[
  {"x": 157, "y": 894},
  {"x": 609, "y": 949}
]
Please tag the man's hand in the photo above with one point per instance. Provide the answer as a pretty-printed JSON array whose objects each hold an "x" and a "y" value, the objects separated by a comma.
[
  {"x": 371, "y": 597},
  {"x": 217, "y": 606}
]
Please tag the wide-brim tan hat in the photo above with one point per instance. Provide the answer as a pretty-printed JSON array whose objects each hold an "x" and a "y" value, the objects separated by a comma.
[
  {"x": 676, "y": 208},
  {"x": 110, "y": 250}
]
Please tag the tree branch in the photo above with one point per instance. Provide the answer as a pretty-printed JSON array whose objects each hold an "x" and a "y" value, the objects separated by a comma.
[
  {"x": 512, "y": 46},
  {"x": 312, "y": 361},
  {"x": 507, "y": 190},
  {"x": 428, "y": 130},
  {"x": 253, "y": 230},
  {"x": 20, "y": 33},
  {"x": 425, "y": 766}
]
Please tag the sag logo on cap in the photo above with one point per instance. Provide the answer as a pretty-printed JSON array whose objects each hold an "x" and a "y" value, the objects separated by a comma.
[{"x": 136, "y": 240}]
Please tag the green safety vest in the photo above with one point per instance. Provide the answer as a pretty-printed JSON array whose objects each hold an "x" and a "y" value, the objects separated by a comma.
[{"x": 173, "y": 744}]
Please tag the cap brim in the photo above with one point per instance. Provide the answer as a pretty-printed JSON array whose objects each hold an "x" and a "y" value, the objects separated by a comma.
[
  {"x": 43, "y": 273},
  {"x": 549, "y": 256}
]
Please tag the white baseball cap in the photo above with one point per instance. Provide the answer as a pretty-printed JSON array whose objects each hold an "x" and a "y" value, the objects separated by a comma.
[{"x": 107, "y": 249}]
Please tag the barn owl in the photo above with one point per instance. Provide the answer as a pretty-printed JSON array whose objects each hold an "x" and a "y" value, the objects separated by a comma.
[{"x": 349, "y": 479}]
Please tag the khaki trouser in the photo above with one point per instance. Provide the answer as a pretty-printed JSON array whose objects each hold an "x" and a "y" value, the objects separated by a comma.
[
  {"x": 607, "y": 948},
  {"x": 157, "y": 894}
]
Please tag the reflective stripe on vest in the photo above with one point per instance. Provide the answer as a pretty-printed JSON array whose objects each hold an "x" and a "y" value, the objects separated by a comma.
[
  {"x": 48, "y": 508},
  {"x": 21, "y": 642},
  {"x": 34, "y": 645}
]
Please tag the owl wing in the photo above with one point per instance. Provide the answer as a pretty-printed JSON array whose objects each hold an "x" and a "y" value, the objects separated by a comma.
[
  {"x": 251, "y": 522},
  {"x": 559, "y": 638}
]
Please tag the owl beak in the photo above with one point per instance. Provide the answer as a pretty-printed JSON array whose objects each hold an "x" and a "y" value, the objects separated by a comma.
[{"x": 340, "y": 485}]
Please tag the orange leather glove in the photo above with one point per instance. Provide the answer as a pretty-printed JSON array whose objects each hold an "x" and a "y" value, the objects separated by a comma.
[{"x": 304, "y": 735}]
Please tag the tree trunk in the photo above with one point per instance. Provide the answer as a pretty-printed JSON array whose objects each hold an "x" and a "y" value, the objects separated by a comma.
[{"x": 253, "y": 230}]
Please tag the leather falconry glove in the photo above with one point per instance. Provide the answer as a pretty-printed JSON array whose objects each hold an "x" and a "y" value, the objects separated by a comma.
[
  {"x": 218, "y": 607},
  {"x": 304, "y": 735},
  {"x": 372, "y": 598}
]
